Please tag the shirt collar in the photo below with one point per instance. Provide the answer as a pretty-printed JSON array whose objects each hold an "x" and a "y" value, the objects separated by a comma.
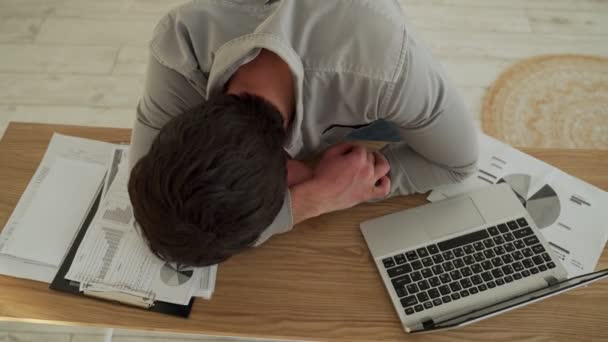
[{"x": 230, "y": 56}]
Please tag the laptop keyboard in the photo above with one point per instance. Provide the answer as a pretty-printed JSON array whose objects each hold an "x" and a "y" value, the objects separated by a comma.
[{"x": 466, "y": 265}]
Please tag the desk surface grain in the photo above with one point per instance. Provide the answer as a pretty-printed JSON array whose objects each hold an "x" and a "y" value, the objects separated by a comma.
[{"x": 317, "y": 282}]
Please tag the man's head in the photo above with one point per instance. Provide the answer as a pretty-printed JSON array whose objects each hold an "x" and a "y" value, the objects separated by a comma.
[{"x": 213, "y": 180}]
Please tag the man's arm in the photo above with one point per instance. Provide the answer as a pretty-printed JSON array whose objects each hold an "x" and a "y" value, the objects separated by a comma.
[
  {"x": 166, "y": 94},
  {"x": 347, "y": 175},
  {"x": 439, "y": 139}
]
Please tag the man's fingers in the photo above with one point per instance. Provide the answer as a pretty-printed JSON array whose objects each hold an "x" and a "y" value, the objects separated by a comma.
[
  {"x": 381, "y": 166},
  {"x": 339, "y": 149},
  {"x": 357, "y": 156},
  {"x": 382, "y": 188},
  {"x": 371, "y": 158}
]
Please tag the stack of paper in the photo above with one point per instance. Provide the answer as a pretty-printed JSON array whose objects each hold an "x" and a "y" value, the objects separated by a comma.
[
  {"x": 52, "y": 208},
  {"x": 112, "y": 256},
  {"x": 571, "y": 214}
]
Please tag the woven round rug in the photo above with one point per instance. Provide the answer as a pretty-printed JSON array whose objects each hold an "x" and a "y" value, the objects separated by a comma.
[{"x": 556, "y": 101}]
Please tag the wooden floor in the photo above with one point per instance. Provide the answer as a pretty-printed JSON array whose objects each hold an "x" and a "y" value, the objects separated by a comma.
[{"x": 83, "y": 61}]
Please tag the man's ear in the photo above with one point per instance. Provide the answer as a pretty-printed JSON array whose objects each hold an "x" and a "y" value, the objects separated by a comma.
[{"x": 297, "y": 172}]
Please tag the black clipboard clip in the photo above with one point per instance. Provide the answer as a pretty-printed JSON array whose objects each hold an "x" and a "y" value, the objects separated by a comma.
[{"x": 121, "y": 297}]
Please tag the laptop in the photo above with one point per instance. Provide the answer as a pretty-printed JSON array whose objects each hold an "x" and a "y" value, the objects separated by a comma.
[{"x": 454, "y": 262}]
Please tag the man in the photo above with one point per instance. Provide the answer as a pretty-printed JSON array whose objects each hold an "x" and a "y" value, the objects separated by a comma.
[{"x": 236, "y": 89}]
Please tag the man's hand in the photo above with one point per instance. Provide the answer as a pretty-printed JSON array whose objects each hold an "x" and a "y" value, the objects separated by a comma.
[
  {"x": 297, "y": 172},
  {"x": 346, "y": 175},
  {"x": 349, "y": 175}
]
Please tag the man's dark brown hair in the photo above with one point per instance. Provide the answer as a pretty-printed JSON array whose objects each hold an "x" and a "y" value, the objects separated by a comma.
[{"x": 214, "y": 179}]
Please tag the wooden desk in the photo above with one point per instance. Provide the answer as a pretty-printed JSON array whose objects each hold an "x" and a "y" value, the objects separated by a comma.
[{"x": 317, "y": 282}]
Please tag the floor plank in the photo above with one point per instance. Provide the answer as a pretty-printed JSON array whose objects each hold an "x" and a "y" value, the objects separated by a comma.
[
  {"x": 19, "y": 29},
  {"x": 464, "y": 19},
  {"x": 35, "y": 337},
  {"x": 173, "y": 337},
  {"x": 110, "y": 31},
  {"x": 47, "y": 328},
  {"x": 474, "y": 71},
  {"x": 538, "y": 4},
  {"x": 11, "y": 8},
  {"x": 116, "y": 6},
  {"x": 65, "y": 89},
  {"x": 36, "y": 58},
  {"x": 473, "y": 97},
  {"x": 154, "y": 6},
  {"x": 511, "y": 45},
  {"x": 583, "y": 22},
  {"x": 131, "y": 60},
  {"x": 94, "y": 9},
  {"x": 75, "y": 115}
]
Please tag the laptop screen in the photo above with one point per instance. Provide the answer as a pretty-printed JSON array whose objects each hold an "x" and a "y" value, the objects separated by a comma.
[{"x": 515, "y": 302}]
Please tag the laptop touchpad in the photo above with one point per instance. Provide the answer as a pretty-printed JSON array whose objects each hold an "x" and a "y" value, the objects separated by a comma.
[{"x": 450, "y": 217}]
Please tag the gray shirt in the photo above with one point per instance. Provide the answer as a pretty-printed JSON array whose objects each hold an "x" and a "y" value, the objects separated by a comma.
[{"x": 353, "y": 62}]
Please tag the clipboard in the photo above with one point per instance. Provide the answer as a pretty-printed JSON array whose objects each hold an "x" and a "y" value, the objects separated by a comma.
[{"x": 64, "y": 285}]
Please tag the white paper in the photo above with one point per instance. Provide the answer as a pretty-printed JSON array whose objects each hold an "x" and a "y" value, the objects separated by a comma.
[
  {"x": 113, "y": 256},
  {"x": 580, "y": 233},
  {"x": 60, "y": 146},
  {"x": 56, "y": 212},
  {"x": 207, "y": 282},
  {"x": 20, "y": 268},
  {"x": 571, "y": 214}
]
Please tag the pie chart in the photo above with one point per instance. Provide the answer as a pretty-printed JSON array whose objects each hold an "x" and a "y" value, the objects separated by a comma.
[
  {"x": 173, "y": 274},
  {"x": 543, "y": 204}
]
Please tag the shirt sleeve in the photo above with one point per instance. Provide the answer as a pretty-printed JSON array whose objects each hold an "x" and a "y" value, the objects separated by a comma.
[
  {"x": 438, "y": 139},
  {"x": 282, "y": 223},
  {"x": 167, "y": 94}
]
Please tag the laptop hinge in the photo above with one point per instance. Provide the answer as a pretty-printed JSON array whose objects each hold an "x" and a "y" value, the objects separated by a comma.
[
  {"x": 428, "y": 323},
  {"x": 551, "y": 280}
]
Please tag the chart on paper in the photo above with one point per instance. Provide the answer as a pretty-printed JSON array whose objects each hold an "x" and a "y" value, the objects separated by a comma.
[
  {"x": 543, "y": 204},
  {"x": 174, "y": 274},
  {"x": 113, "y": 238},
  {"x": 119, "y": 156},
  {"x": 122, "y": 214}
]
